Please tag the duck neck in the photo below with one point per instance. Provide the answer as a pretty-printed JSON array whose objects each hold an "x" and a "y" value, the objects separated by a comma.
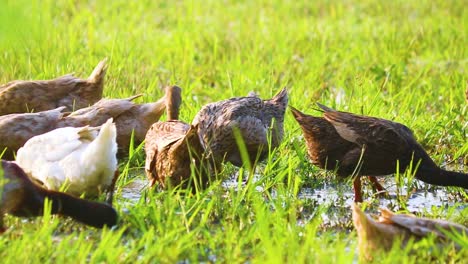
[
  {"x": 173, "y": 101},
  {"x": 88, "y": 212},
  {"x": 441, "y": 177}
]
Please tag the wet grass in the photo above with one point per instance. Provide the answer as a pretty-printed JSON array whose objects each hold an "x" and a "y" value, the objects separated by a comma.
[{"x": 401, "y": 60}]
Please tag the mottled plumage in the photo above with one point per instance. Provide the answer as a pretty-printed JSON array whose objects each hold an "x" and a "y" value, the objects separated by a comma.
[
  {"x": 377, "y": 236},
  {"x": 19, "y": 196},
  {"x": 81, "y": 158},
  {"x": 37, "y": 96},
  {"x": 172, "y": 147},
  {"x": 251, "y": 116},
  {"x": 376, "y": 145}
]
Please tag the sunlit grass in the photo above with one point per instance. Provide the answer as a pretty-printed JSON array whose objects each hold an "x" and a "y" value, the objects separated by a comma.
[{"x": 401, "y": 60}]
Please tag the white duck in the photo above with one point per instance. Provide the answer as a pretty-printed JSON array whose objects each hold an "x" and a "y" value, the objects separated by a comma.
[{"x": 81, "y": 158}]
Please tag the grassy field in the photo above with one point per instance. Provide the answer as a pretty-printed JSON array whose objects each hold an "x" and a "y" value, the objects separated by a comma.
[{"x": 401, "y": 60}]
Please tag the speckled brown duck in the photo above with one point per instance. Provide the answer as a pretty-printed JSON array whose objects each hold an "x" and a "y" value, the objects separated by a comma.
[
  {"x": 252, "y": 117},
  {"x": 377, "y": 236},
  {"x": 68, "y": 91},
  {"x": 22, "y": 197},
  {"x": 172, "y": 147},
  {"x": 16, "y": 129},
  {"x": 342, "y": 141}
]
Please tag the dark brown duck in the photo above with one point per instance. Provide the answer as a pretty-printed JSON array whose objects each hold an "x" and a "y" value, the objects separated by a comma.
[
  {"x": 361, "y": 145},
  {"x": 22, "y": 197}
]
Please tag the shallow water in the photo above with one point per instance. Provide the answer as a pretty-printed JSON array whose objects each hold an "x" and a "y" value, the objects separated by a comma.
[
  {"x": 337, "y": 197},
  {"x": 133, "y": 190}
]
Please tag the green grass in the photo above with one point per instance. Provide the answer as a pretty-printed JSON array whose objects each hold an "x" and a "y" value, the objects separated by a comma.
[{"x": 401, "y": 60}]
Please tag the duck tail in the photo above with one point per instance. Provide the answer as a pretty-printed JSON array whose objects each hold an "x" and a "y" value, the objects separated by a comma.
[
  {"x": 108, "y": 131},
  {"x": 173, "y": 100},
  {"x": 131, "y": 98},
  {"x": 324, "y": 108},
  {"x": 296, "y": 113},
  {"x": 99, "y": 72},
  {"x": 56, "y": 113},
  {"x": 281, "y": 97},
  {"x": 104, "y": 146},
  {"x": 366, "y": 227}
]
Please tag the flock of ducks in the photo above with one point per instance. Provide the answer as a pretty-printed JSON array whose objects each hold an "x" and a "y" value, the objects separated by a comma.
[{"x": 66, "y": 141}]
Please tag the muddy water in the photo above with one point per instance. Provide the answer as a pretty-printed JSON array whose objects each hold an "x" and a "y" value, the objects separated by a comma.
[{"x": 337, "y": 197}]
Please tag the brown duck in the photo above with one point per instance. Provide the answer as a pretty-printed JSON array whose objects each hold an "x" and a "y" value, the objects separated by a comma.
[
  {"x": 172, "y": 146},
  {"x": 128, "y": 117},
  {"x": 377, "y": 236},
  {"x": 251, "y": 116},
  {"x": 68, "y": 91},
  {"x": 21, "y": 197},
  {"x": 16, "y": 129},
  {"x": 361, "y": 145}
]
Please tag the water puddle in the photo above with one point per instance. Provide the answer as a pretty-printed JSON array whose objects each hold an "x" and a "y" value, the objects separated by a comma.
[
  {"x": 335, "y": 197},
  {"x": 133, "y": 190}
]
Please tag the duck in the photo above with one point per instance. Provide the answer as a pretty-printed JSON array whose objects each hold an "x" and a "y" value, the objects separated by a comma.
[
  {"x": 358, "y": 145},
  {"x": 252, "y": 117},
  {"x": 172, "y": 146},
  {"x": 376, "y": 236},
  {"x": 82, "y": 159},
  {"x": 327, "y": 150},
  {"x": 22, "y": 197},
  {"x": 130, "y": 119},
  {"x": 16, "y": 129},
  {"x": 69, "y": 91}
]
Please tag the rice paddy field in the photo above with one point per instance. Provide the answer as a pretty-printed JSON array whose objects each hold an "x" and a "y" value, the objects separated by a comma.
[{"x": 400, "y": 60}]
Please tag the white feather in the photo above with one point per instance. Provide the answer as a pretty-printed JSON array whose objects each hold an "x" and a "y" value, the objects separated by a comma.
[{"x": 81, "y": 158}]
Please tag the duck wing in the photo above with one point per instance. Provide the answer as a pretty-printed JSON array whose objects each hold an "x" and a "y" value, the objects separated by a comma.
[
  {"x": 27, "y": 96},
  {"x": 376, "y": 133},
  {"x": 42, "y": 154},
  {"x": 160, "y": 136},
  {"x": 214, "y": 119}
]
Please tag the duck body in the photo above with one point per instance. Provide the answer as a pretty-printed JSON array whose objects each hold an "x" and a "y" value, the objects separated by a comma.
[
  {"x": 253, "y": 118},
  {"x": 37, "y": 96},
  {"x": 361, "y": 145},
  {"x": 380, "y": 235},
  {"x": 325, "y": 148},
  {"x": 173, "y": 149},
  {"x": 130, "y": 118},
  {"x": 84, "y": 159},
  {"x": 24, "y": 198},
  {"x": 16, "y": 129}
]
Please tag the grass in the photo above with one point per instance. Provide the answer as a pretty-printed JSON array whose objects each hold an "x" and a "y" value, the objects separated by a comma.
[{"x": 401, "y": 60}]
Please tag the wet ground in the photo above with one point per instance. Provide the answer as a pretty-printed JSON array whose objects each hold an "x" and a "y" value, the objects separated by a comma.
[{"x": 337, "y": 197}]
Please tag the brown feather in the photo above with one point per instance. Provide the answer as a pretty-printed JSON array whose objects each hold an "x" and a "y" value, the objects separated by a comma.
[
  {"x": 251, "y": 116},
  {"x": 68, "y": 91}
]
